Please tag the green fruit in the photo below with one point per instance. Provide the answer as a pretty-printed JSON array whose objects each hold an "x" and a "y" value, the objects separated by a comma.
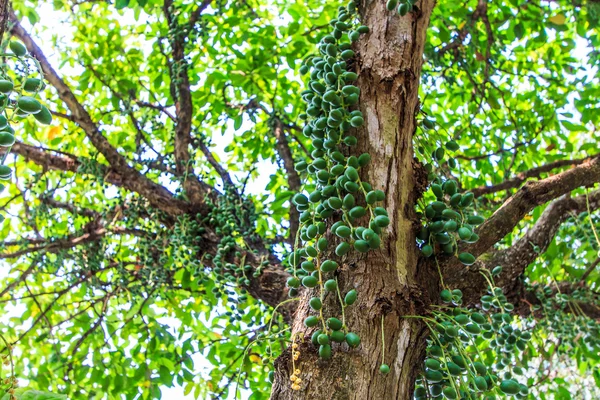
[
  {"x": 334, "y": 324},
  {"x": 467, "y": 258},
  {"x": 446, "y": 295},
  {"x": 433, "y": 376},
  {"x": 343, "y": 231},
  {"x": 357, "y": 212},
  {"x": 352, "y": 339},
  {"x": 331, "y": 285},
  {"x": 6, "y": 86},
  {"x": 433, "y": 364},
  {"x": 17, "y": 48},
  {"x": 329, "y": 266},
  {"x": 322, "y": 244},
  {"x": 323, "y": 339},
  {"x": 462, "y": 319},
  {"x": 473, "y": 329},
  {"x": 293, "y": 282},
  {"x": 391, "y": 5},
  {"x": 464, "y": 233},
  {"x": 350, "y": 297},
  {"x": 3, "y": 122},
  {"x": 308, "y": 266},
  {"x": 382, "y": 221},
  {"x": 311, "y": 321},
  {"x": 362, "y": 246},
  {"x": 450, "y": 392},
  {"x": 335, "y": 203},
  {"x": 6, "y": 139},
  {"x": 32, "y": 84},
  {"x": 5, "y": 172},
  {"x": 437, "y": 190},
  {"x": 384, "y": 369},
  {"x": 29, "y": 104},
  {"x": 347, "y": 54},
  {"x": 452, "y": 145},
  {"x": 309, "y": 281},
  {"x": 342, "y": 249},
  {"x": 325, "y": 352},
  {"x": 337, "y": 336},
  {"x": 475, "y": 220},
  {"x": 467, "y": 199},
  {"x": 478, "y": 318},
  {"x": 427, "y": 250},
  {"x": 299, "y": 198},
  {"x": 510, "y": 387},
  {"x": 497, "y": 270},
  {"x": 315, "y": 336},
  {"x": 480, "y": 368},
  {"x": 315, "y": 303}
]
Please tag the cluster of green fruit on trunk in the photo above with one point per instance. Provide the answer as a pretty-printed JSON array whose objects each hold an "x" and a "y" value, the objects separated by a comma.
[
  {"x": 339, "y": 213},
  {"x": 448, "y": 217},
  {"x": 457, "y": 363},
  {"x": 18, "y": 90},
  {"x": 565, "y": 319}
]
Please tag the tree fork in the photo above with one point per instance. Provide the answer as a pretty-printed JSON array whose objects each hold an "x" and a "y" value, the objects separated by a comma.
[{"x": 389, "y": 281}]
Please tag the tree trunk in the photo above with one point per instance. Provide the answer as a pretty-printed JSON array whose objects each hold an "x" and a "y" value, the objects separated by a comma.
[{"x": 389, "y": 284}]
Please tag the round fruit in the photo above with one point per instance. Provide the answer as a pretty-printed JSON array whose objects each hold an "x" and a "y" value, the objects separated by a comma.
[{"x": 384, "y": 369}]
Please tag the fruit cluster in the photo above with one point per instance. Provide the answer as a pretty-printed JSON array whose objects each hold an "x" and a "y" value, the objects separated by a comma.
[
  {"x": 457, "y": 366},
  {"x": 340, "y": 206},
  {"x": 15, "y": 104}
]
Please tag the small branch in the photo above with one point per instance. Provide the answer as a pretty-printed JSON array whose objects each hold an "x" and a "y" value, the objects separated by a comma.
[
  {"x": 523, "y": 176},
  {"x": 590, "y": 269}
]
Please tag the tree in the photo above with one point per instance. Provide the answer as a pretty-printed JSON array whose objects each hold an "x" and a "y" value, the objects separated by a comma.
[{"x": 135, "y": 241}]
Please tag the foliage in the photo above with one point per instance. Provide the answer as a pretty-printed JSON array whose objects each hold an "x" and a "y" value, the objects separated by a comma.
[{"x": 107, "y": 295}]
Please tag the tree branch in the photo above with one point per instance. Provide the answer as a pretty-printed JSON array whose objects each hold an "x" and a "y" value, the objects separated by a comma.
[
  {"x": 133, "y": 180},
  {"x": 531, "y": 195},
  {"x": 523, "y": 176}
]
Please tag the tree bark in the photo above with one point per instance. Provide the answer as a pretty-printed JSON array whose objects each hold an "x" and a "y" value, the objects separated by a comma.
[{"x": 389, "y": 283}]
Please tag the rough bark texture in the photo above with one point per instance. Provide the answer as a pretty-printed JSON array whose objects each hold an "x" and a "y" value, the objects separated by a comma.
[{"x": 389, "y": 64}]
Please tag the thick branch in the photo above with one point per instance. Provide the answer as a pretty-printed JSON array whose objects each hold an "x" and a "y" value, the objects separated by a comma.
[
  {"x": 294, "y": 183},
  {"x": 531, "y": 195},
  {"x": 515, "y": 259},
  {"x": 523, "y": 176},
  {"x": 133, "y": 180}
]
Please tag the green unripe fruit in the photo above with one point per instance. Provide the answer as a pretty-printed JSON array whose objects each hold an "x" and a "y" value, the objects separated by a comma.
[
  {"x": 446, "y": 296},
  {"x": 293, "y": 282},
  {"x": 315, "y": 303},
  {"x": 363, "y": 29},
  {"x": 466, "y": 258},
  {"x": 350, "y": 297},
  {"x": 351, "y": 187},
  {"x": 480, "y": 368},
  {"x": 462, "y": 319},
  {"x": 473, "y": 329},
  {"x": 342, "y": 249},
  {"x": 391, "y": 5},
  {"x": 357, "y": 121},
  {"x": 464, "y": 233},
  {"x": 323, "y": 339},
  {"x": 334, "y": 324},
  {"x": 382, "y": 221},
  {"x": 510, "y": 387},
  {"x": 315, "y": 336},
  {"x": 357, "y": 212},
  {"x": 343, "y": 231},
  {"x": 299, "y": 198},
  {"x": 5, "y": 172},
  {"x": 311, "y": 321},
  {"x": 352, "y": 339},
  {"x": 427, "y": 250},
  {"x": 349, "y": 201},
  {"x": 309, "y": 281},
  {"x": 29, "y": 104},
  {"x": 347, "y": 54},
  {"x": 433, "y": 376},
  {"x": 450, "y": 226},
  {"x": 451, "y": 331},
  {"x": 450, "y": 392},
  {"x": 371, "y": 197},
  {"x": 325, "y": 352},
  {"x": 32, "y": 84},
  {"x": 384, "y": 369},
  {"x": 475, "y": 220},
  {"x": 478, "y": 318},
  {"x": 437, "y": 190},
  {"x": 337, "y": 336},
  {"x": 6, "y": 86},
  {"x": 497, "y": 270},
  {"x": 362, "y": 246},
  {"x": 322, "y": 244},
  {"x": 433, "y": 364},
  {"x": 335, "y": 203},
  {"x": 17, "y": 48},
  {"x": 450, "y": 187},
  {"x": 452, "y": 145},
  {"x": 331, "y": 285},
  {"x": 467, "y": 199},
  {"x": 6, "y": 139},
  {"x": 308, "y": 266},
  {"x": 329, "y": 266}
]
